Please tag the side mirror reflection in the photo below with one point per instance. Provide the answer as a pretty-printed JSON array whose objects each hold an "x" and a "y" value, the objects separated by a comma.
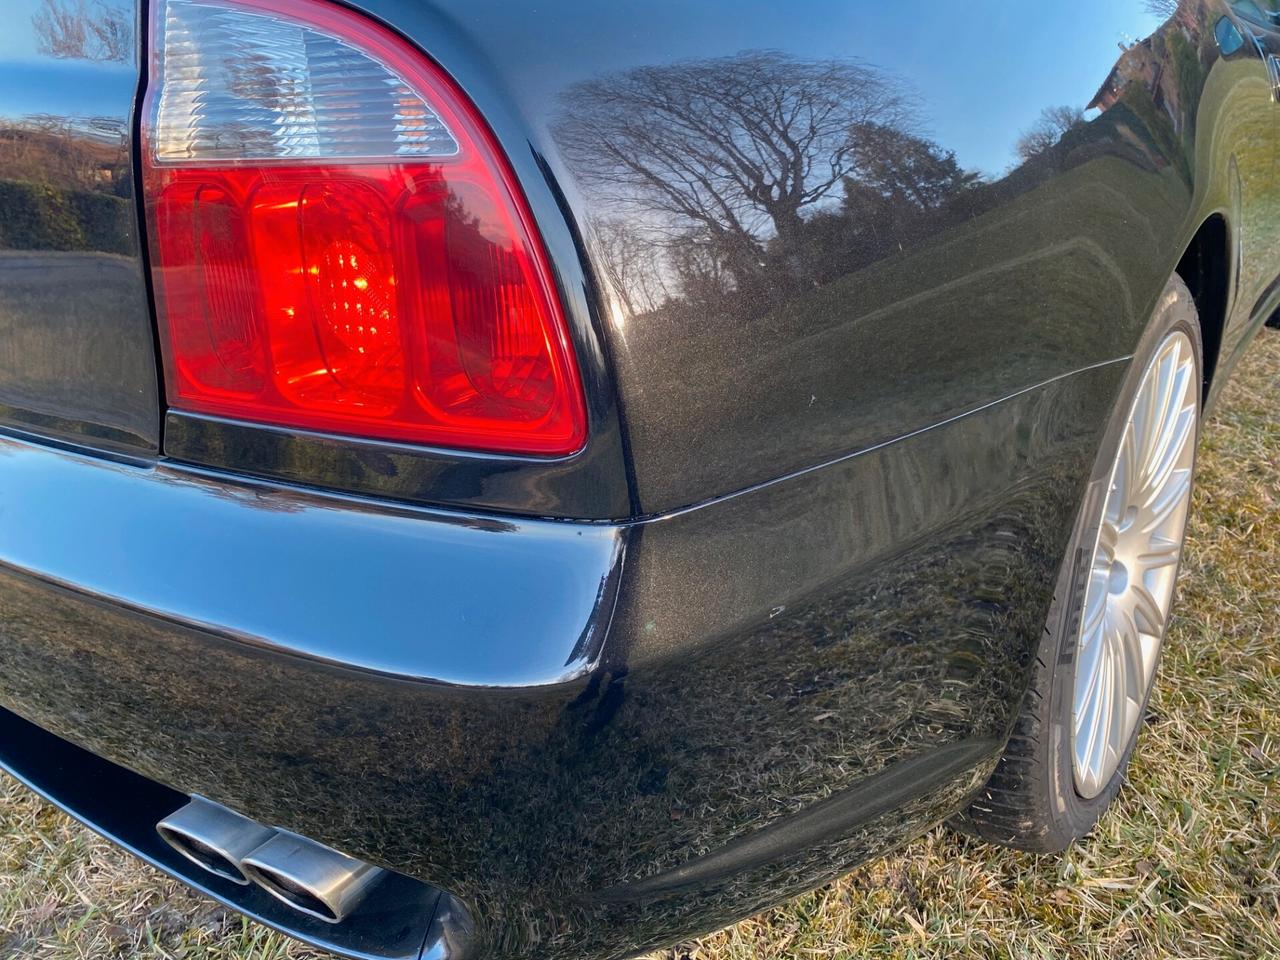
[{"x": 1229, "y": 37}]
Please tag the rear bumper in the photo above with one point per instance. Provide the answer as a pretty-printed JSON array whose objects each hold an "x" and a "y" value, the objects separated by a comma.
[
  {"x": 372, "y": 587},
  {"x": 598, "y": 737}
]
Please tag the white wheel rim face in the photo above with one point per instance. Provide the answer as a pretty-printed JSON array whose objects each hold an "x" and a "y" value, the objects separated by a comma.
[{"x": 1135, "y": 562}]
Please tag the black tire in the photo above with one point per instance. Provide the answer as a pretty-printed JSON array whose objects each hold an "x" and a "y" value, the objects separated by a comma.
[{"x": 1031, "y": 801}]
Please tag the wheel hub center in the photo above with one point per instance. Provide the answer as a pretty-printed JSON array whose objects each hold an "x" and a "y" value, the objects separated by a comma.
[{"x": 1118, "y": 578}]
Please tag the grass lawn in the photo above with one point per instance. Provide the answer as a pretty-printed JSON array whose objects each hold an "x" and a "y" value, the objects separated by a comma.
[{"x": 1186, "y": 865}]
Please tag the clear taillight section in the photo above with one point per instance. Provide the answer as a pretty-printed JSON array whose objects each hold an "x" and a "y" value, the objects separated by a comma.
[{"x": 337, "y": 244}]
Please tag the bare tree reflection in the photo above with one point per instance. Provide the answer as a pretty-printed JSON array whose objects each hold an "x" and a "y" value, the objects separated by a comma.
[
  {"x": 78, "y": 30},
  {"x": 1051, "y": 126},
  {"x": 734, "y": 149},
  {"x": 733, "y": 180},
  {"x": 726, "y": 187},
  {"x": 1185, "y": 12},
  {"x": 633, "y": 263}
]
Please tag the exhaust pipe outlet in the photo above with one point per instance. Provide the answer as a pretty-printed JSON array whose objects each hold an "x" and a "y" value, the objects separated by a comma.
[
  {"x": 213, "y": 837},
  {"x": 311, "y": 877}
]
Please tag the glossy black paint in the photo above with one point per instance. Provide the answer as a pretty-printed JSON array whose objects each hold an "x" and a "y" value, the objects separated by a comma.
[
  {"x": 589, "y": 485},
  {"x": 794, "y": 678},
  {"x": 880, "y": 314},
  {"x": 380, "y": 589},
  {"x": 786, "y": 613},
  {"x": 76, "y": 352}
]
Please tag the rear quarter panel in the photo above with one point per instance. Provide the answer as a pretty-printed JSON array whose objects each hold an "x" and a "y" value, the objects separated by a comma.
[{"x": 1021, "y": 181}]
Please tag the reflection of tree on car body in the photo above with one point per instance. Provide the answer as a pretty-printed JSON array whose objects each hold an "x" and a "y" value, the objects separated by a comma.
[{"x": 718, "y": 207}]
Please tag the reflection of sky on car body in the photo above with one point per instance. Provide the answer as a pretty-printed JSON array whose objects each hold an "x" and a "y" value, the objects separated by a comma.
[
  {"x": 1017, "y": 57},
  {"x": 68, "y": 88}
]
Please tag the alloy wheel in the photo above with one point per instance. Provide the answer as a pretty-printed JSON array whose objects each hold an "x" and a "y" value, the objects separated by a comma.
[{"x": 1135, "y": 563}]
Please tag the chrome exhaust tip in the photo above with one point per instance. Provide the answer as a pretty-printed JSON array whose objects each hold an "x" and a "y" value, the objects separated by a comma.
[
  {"x": 213, "y": 837},
  {"x": 310, "y": 877}
]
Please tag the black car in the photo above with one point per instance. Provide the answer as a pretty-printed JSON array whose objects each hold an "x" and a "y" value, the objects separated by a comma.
[{"x": 483, "y": 480}]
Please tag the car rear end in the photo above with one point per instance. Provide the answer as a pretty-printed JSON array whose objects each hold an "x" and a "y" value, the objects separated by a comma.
[
  {"x": 319, "y": 509},
  {"x": 312, "y": 465}
]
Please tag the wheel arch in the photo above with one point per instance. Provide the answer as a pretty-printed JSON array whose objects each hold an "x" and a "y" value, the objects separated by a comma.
[{"x": 1205, "y": 267}]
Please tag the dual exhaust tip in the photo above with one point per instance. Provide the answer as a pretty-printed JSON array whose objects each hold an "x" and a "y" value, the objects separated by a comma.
[{"x": 308, "y": 876}]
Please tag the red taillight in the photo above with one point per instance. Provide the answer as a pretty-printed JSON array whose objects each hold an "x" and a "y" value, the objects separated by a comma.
[{"x": 337, "y": 243}]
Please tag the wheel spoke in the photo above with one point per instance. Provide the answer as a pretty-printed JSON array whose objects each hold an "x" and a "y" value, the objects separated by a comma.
[
  {"x": 1089, "y": 666},
  {"x": 1160, "y": 553},
  {"x": 1162, "y": 441},
  {"x": 1170, "y": 456},
  {"x": 1165, "y": 502},
  {"x": 1095, "y": 603},
  {"x": 1148, "y": 613},
  {"x": 1102, "y": 729},
  {"x": 1158, "y": 423},
  {"x": 1108, "y": 536},
  {"x": 1133, "y": 671},
  {"x": 1124, "y": 484},
  {"x": 1145, "y": 413}
]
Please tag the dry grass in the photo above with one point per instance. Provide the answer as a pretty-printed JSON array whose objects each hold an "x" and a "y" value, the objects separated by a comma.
[{"x": 1186, "y": 865}]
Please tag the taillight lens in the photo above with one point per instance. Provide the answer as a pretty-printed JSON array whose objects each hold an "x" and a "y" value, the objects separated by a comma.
[{"x": 337, "y": 242}]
